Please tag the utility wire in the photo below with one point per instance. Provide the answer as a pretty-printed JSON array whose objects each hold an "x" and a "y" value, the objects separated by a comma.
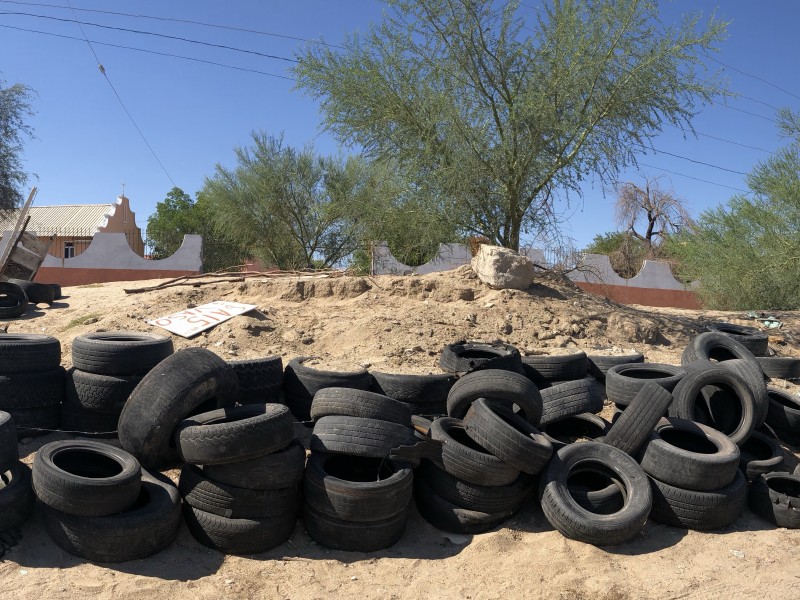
[
  {"x": 214, "y": 25},
  {"x": 695, "y": 178},
  {"x": 761, "y": 79},
  {"x": 719, "y": 139},
  {"x": 127, "y": 112},
  {"x": 200, "y": 60},
  {"x": 699, "y": 162},
  {"x": 161, "y": 35}
]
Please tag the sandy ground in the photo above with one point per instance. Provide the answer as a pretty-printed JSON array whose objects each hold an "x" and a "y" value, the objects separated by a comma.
[{"x": 400, "y": 324}]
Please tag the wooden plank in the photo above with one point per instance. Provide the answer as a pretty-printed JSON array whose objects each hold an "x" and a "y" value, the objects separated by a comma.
[{"x": 19, "y": 228}]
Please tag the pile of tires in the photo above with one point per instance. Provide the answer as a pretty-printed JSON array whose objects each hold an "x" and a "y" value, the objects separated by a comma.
[
  {"x": 107, "y": 367},
  {"x": 97, "y": 503},
  {"x": 13, "y": 301},
  {"x": 32, "y": 381},
  {"x": 357, "y": 497},
  {"x": 35, "y": 292},
  {"x": 16, "y": 493},
  {"x": 424, "y": 395},
  {"x": 240, "y": 483}
]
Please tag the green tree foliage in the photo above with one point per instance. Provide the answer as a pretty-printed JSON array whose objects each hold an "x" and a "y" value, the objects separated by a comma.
[
  {"x": 14, "y": 108},
  {"x": 746, "y": 255},
  {"x": 625, "y": 251},
  {"x": 178, "y": 215},
  {"x": 495, "y": 121},
  {"x": 292, "y": 208}
]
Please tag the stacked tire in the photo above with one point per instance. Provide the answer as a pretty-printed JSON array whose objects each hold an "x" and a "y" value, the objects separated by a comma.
[
  {"x": 13, "y": 301},
  {"x": 424, "y": 395},
  {"x": 97, "y": 503},
  {"x": 357, "y": 497},
  {"x": 16, "y": 494},
  {"x": 32, "y": 381},
  {"x": 240, "y": 483},
  {"x": 260, "y": 380},
  {"x": 107, "y": 367}
]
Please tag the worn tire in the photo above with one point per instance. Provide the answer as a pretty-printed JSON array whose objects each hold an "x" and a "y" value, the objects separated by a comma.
[
  {"x": 260, "y": 379},
  {"x": 507, "y": 436},
  {"x": 759, "y": 455},
  {"x": 690, "y": 455},
  {"x": 466, "y": 459},
  {"x": 234, "y": 434},
  {"x": 633, "y": 427},
  {"x": 119, "y": 352},
  {"x": 13, "y": 302},
  {"x": 599, "y": 364},
  {"x": 570, "y": 430},
  {"x": 447, "y": 516},
  {"x": 86, "y": 478},
  {"x": 573, "y": 520},
  {"x": 360, "y": 437},
  {"x": 754, "y": 377},
  {"x": 238, "y": 536},
  {"x": 504, "y": 386},
  {"x": 146, "y": 527},
  {"x": 16, "y": 495},
  {"x": 714, "y": 345},
  {"x": 752, "y": 338},
  {"x": 81, "y": 421},
  {"x": 465, "y": 357},
  {"x": 623, "y": 382},
  {"x": 32, "y": 390},
  {"x": 28, "y": 353},
  {"x": 99, "y": 393},
  {"x": 304, "y": 382},
  {"x": 37, "y": 293},
  {"x": 280, "y": 469},
  {"x": 193, "y": 380},
  {"x": 542, "y": 365},
  {"x": 780, "y": 367},
  {"x": 9, "y": 448},
  {"x": 199, "y": 491},
  {"x": 702, "y": 511},
  {"x": 420, "y": 392},
  {"x": 775, "y": 497},
  {"x": 358, "y": 403},
  {"x": 354, "y": 536},
  {"x": 571, "y": 398},
  {"x": 783, "y": 411},
  {"x": 357, "y": 489},
  {"x": 40, "y": 420}
]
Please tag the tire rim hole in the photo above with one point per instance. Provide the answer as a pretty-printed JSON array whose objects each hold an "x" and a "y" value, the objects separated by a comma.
[
  {"x": 86, "y": 463},
  {"x": 784, "y": 485},
  {"x": 358, "y": 469},
  {"x": 573, "y": 430},
  {"x": 459, "y": 434},
  {"x": 645, "y": 374},
  {"x": 720, "y": 407},
  {"x": 784, "y": 400},
  {"x": 592, "y": 476},
  {"x": 758, "y": 448},
  {"x": 688, "y": 440}
]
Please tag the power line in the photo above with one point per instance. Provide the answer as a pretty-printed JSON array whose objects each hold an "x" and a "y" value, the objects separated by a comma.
[
  {"x": 699, "y": 162},
  {"x": 200, "y": 60},
  {"x": 161, "y": 35},
  {"x": 761, "y": 79},
  {"x": 214, "y": 25},
  {"x": 695, "y": 178},
  {"x": 747, "y": 112},
  {"x": 125, "y": 108},
  {"x": 719, "y": 139}
]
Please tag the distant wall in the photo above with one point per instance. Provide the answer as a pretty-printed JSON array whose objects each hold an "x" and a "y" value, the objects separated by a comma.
[
  {"x": 110, "y": 258},
  {"x": 653, "y": 285}
]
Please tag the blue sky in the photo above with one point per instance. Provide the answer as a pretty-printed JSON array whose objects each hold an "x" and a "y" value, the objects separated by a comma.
[{"x": 194, "y": 114}]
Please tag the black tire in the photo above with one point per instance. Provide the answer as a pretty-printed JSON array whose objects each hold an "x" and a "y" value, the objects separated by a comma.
[
  {"x": 358, "y": 403},
  {"x": 303, "y": 382},
  {"x": 542, "y": 365},
  {"x": 690, "y": 455},
  {"x": 759, "y": 455},
  {"x": 32, "y": 390},
  {"x": 466, "y": 459},
  {"x": 193, "y": 380},
  {"x": 13, "y": 302},
  {"x": 239, "y": 536},
  {"x": 754, "y": 377},
  {"x": 732, "y": 411},
  {"x": 145, "y": 528},
  {"x": 702, "y": 511},
  {"x": 28, "y": 353},
  {"x": 714, "y": 345},
  {"x": 260, "y": 379},
  {"x": 119, "y": 352},
  {"x": 481, "y": 498},
  {"x": 634, "y": 426},
  {"x": 16, "y": 495},
  {"x": 201, "y": 492},
  {"x": 86, "y": 478},
  {"x": 37, "y": 421},
  {"x": 360, "y": 437},
  {"x": 783, "y": 411},
  {"x": 780, "y": 367},
  {"x": 9, "y": 448},
  {"x": 447, "y": 516},
  {"x": 752, "y": 338},
  {"x": 57, "y": 293},
  {"x": 420, "y": 392},
  {"x": 599, "y": 364},
  {"x": 234, "y": 434},
  {"x": 585, "y": 426},
  {"x": 575, "y": 522},
  {"x": 268, "y": 472},
  {"x": 357, "y": 489},
  {"x": 507, "y": 436},
  {"x": 596, "y": 492},
  {"x": 80, "y": 421},
  {"x": 300, "y": 407},
  {"x": 354, "y": 536},
  {"x": 37, "y": 293},
  {"x": 775, "y": 498},
  {"x": 99, "y": 393},
  {"x": 569, "y": 399},
  {"x": 504, "y": 386},
  {"x": 623, "y": 382},
  {"x": 465, "y": 357}
]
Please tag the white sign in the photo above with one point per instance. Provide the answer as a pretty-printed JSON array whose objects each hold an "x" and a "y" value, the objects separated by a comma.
[{"x": 192, "y": 321}]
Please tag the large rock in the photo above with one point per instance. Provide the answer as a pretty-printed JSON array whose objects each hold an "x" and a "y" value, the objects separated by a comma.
[{"x": 503, "y": 268}]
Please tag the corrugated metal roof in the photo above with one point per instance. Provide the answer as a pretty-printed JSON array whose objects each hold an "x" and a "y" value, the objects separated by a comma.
[{"x": 87, "y": 218}]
